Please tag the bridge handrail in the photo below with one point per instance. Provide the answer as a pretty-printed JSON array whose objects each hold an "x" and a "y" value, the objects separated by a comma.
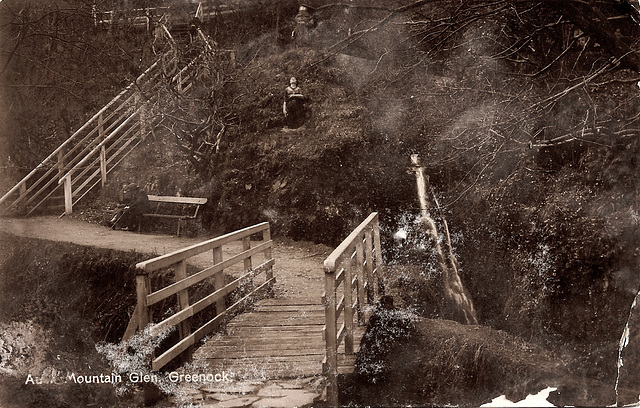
[
  {"x": 143, "y": 314},
  {"x": 355, "y": 266}
]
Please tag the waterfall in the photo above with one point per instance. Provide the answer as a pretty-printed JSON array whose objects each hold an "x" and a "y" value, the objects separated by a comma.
[
  {"x": 624, "y": 342},
  {"x": 454, "y": 290}
]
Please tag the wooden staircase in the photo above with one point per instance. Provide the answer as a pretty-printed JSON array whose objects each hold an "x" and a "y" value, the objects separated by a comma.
[{"x": 85, "y": 159}]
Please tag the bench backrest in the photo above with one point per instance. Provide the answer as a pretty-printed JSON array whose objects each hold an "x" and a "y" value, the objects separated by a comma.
[{"x": 177, "y": 200}]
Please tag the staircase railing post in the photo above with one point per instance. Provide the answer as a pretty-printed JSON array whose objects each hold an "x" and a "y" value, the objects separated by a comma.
[
  {"x": 100, "y": 127},
  {"x": 103, "y": 165},
  {"x": 23, "y": 188},
  {"x": 175, "y": 56},
  {"x": 331, "y": 367},
  {"x": 142, "y": 131},
  {"x": 60, "y": 164},
  {"x": 68, "y": 197}
]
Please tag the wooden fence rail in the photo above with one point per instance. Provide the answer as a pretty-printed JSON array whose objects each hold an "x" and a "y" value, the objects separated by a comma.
[
  {"x": 143, "y": 314},
  {"x": 353, "y": 272},
  {"x": 150, "y": 16}
]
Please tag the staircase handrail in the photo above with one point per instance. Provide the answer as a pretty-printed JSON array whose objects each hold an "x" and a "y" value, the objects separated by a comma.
[
  {"x": 97, "y": 148},
  {"x": 72, "y": 138},
  {"x": 82, "y": 147}
]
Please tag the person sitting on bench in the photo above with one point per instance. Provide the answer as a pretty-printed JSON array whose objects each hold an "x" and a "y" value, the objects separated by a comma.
[{"x": 133, "y": 203}]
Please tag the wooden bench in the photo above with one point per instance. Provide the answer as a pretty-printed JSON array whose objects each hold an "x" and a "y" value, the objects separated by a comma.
[{"x": 195, "y": 202}]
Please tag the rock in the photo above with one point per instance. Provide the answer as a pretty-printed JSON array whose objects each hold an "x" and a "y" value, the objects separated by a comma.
[
  {"x": 238, "y": 402},
  {"x": 272, "y": 391},
  {"x": 221, "y": 396},
  {"x": 316, "y": 383},
  {"x": 290, "y": 386},
  {"x": 189, "y": 394},
  {"x": 236, "y": 388},
  {"x": 293, "y": 398}
]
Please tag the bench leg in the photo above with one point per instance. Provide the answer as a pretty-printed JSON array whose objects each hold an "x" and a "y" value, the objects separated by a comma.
[{"x": 179, "y": 222}]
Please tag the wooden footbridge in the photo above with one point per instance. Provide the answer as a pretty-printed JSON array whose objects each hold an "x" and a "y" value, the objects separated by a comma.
[{"x": 309, "y": 331}]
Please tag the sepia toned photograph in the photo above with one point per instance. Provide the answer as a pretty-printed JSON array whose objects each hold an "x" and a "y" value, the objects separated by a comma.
[{"x": 350, "y": 203}]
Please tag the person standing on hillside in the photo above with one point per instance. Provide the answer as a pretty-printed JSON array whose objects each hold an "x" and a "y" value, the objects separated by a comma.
[
  {"x": 293, "y": 103},
  {"x": 304, "y": 23}
]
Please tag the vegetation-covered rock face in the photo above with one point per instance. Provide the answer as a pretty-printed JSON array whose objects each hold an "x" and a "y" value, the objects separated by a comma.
[
  {"x": 526, "y": 129},
  {"x": 525, "y": 116},
  {"x": 64, "y": 311},
  {"x": 440, "y": 362},
  {"x": 59, "y": 300}
]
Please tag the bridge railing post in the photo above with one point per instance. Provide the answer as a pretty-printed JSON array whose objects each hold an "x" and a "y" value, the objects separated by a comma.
[
  {"x": 378, "y": 275},
  {"x": 218, "y": 280},
  {"x": 246, "y": 245},
  {"x": 266, "y": 236},
  {"x": 183, "y": 300},
  {"x": 361, "y": 280},
  {"x": 348, "y": 304},
  {"x": 331, "y": 364},
  {"x": 143, "y": 288},
  {"x": 368, "y": 266},
  {"x": 183, "y": 297}
]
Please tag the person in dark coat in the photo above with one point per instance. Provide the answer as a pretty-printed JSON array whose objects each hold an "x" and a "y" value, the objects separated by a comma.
[{"x": 133, "y": 203}]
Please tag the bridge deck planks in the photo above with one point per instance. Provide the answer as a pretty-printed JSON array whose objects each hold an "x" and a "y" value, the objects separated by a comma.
[{"x": 279, "y": 338}]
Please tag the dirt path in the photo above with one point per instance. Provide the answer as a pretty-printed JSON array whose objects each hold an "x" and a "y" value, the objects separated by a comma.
[{"x": 298, "y": 266}]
